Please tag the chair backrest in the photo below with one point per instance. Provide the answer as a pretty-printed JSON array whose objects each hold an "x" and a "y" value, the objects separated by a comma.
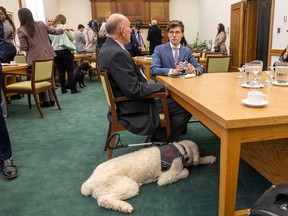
[
  {"x": 108, "y": 90},
  {"x": 19, "y": 58},
  {"x": 210, "y": 53},
  {"x": 42, "y": 70},
  {"x": 218, "y": 63},
  {"x": 197, "y": 57}
]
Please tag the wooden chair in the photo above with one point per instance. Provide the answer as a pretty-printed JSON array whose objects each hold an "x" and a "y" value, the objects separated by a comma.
[
  {"x": 218, "y": 63},
  {"x": 19, "y": 58},
  {"x": 197, "y": 57},
  {"x": 114, "y": 125},
  {"x": 41, "y": 80}
]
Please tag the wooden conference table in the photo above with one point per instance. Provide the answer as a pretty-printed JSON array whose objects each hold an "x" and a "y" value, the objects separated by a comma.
[
  {"x": 147, "y": 63},
  {"x": 81, "y": 57},
  {"x": 19, "y": 68},
  {"x": 215, "y": 99}
]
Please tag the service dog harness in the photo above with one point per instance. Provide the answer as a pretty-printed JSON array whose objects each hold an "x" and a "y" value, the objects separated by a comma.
[{"x": 168, "y": 153}]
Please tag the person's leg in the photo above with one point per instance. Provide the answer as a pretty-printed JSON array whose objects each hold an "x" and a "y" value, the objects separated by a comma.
[
  {"x": 6, "y": 163},
  {"x": 68, "y": 64},
  {"x": 179, "y": 118},
  {"x": 59, "y": 61},
  {"x": 3, "y": 105}
]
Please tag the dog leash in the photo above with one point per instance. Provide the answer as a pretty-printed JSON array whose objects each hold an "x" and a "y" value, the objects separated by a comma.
[{"x": 119, "y": 143}]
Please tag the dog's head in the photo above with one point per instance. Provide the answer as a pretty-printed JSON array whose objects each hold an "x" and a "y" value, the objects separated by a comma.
[
  {"x": 85, "y": 66},
  {"x": 189, "y": 151}
]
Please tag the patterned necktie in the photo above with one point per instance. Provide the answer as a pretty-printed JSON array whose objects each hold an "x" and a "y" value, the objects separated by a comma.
[{"x": 176, "y": 56}]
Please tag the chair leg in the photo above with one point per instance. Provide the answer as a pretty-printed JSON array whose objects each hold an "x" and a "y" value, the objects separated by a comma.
[
  {"x": 56, "y": 98},
  {"x": 37, "y": 101},
  {"x": 110, "y": 151},
  {"x": 29, "y": 101}
]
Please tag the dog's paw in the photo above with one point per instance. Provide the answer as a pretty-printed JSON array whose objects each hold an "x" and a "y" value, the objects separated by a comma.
[
  {"x": 184, "y": 173},
  {"x": 126, "y": 208},
  {"x": 207, "y": 159}
]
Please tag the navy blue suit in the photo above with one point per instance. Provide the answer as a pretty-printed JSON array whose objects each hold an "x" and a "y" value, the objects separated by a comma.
[
  {"x": 163, "y": 59},
  {"x": 5, "y": 145}
]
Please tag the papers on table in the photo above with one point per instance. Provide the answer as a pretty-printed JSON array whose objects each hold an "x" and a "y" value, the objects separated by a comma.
[{"x": 183, "y": 76}]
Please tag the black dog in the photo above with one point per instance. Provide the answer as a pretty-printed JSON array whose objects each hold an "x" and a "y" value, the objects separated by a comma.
[{"x": 80, "y": 73}]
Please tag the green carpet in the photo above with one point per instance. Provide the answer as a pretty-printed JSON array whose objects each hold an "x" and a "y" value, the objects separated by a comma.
[{"x": 55, "y": 155}]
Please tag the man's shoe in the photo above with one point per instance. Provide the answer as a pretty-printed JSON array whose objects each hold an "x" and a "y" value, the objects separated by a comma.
[{"x": 9, "y": 170}]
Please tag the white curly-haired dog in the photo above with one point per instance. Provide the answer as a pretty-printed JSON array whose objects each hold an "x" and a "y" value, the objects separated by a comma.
[{"x": 120, "y": 178}]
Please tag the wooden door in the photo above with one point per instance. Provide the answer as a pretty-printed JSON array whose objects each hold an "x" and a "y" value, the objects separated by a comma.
[
  {"x": 250, "y": 30},
  {"x": 243, "y": 37},
  {"x": 236, "y": 35}
]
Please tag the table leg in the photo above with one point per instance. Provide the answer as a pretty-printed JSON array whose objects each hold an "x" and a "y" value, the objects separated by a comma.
[{"x": 229, "y": 167}]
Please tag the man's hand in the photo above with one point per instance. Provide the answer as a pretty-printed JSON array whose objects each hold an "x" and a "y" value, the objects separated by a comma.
[{"x": 191, "y": 69}]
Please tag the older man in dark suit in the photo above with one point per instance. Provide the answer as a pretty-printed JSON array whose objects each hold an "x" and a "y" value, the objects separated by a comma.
[{"x": 138, "y": 116}]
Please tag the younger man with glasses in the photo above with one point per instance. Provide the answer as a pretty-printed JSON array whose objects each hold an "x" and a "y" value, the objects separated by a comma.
[{"x": 169, "y": 58}]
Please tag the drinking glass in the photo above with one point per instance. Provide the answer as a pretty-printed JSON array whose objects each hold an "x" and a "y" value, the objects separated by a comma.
[
  {"x": 241, "y": 78},
  {"x": 253, "y": 74},
  {"x": 269, "y": 77},
  {"x": 281, "y": 73}
]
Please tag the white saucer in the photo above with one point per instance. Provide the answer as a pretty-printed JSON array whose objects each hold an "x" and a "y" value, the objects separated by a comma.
[
  {"x": 246, "y": 102},
  {"x": 279, "y": 84},
  {"x": 5, "y": 64},
  {"x": 245, "y": 85}
]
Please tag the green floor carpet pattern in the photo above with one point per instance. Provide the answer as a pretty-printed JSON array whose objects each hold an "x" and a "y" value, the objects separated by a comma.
[{"x": 55, "y": 155}]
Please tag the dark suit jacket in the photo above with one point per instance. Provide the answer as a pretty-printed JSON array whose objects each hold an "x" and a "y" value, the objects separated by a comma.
[
  {"x": 163, "y": 59},
  {"x": 155, "y": 37},
  {"x": 138, "y": 116}
]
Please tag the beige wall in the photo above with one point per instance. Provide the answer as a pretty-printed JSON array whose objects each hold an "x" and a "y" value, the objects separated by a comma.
[
  {"x": 12, "y": 6},
  {"x": 197, "y": 15}
]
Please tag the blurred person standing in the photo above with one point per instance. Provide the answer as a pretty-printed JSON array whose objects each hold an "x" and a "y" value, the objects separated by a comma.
[
  {"x": 80, "y": 39},
  {"x": 102, "y": 35},
  {"x": 9, "y": 36},
  {"x": 91, "y": 37},
  {"x": 34, "y": 41},
  {"x": 154, "y": 36},
  {"x": 49, "y": 21},
  {"x": 219, "y": 44},
  {"x": 64, "y": 58},
  {"x": 9, "y": 170}
]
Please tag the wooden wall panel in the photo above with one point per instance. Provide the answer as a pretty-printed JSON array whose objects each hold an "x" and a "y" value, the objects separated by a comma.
[
  {"x": 157, "y": 10},
  {"x": 144, "y": 10},
  {"x": 103, "y": 9}
]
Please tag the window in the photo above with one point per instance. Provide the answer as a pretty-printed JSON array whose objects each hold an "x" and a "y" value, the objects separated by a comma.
[{"x": 37, "y": 9}]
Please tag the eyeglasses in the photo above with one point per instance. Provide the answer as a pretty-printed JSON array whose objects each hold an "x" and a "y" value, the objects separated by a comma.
[{"x": 175, "y": 32}]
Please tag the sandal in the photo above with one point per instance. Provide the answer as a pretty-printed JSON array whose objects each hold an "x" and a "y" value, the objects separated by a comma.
[{"x": 9, "y": 170}]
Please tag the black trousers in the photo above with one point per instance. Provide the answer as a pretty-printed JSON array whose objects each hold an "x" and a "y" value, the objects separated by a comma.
[
  {"x": 179, "y": 118},
  {"x": 5, "y": 145},
  {"x": 9, "y": 52},
  {"x": 64, "y": 62}
]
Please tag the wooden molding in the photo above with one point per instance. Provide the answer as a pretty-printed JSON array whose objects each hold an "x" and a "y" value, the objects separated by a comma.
[
  {"x": 145, "y": 10},
  {"x": 20, "y": 3},
  {"x": 275, "y": 52}
]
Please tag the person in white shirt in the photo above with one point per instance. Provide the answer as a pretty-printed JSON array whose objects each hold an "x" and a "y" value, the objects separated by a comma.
[{"x": 91, "y": 38}]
